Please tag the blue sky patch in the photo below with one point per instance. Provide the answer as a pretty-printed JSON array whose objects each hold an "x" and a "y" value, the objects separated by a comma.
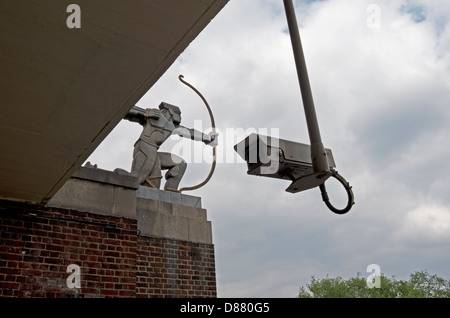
[{"x": 417, "y": 12}]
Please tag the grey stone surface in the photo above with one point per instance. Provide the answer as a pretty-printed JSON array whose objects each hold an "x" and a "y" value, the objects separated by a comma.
[
  {"x": 158, "y": 213},
  {"x": 172, "y": 220},
  {"x": 98, "y": 191},
  {"x": 169, "y": 196},
  {"x": 105, "y": 176}
]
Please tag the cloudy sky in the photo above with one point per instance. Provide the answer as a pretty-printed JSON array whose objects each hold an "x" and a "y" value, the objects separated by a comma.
[{"x": 380, "y": 75}]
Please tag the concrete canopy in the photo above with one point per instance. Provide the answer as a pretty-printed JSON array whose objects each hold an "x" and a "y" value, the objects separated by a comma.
[{"x": 63, "y": 90}]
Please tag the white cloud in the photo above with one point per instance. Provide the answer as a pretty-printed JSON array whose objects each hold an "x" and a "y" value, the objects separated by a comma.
[{"x": 427, "y": 222}]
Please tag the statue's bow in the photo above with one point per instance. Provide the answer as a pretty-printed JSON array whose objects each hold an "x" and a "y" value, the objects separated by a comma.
[{"x": 213, "y": 126}]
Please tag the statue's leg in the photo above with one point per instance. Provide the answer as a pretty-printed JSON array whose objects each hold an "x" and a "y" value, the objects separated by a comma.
[
  {"x": 145, "y": 158},
  {"x": 177, "y": 167},
  {"x": 155, "y": 175}
]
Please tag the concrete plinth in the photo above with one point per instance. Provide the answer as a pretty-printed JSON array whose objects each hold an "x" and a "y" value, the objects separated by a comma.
[
  {"x": 172, "y": 215},
  {"x": 158, "y": 213},
  {"x": 98, "y": 191}
]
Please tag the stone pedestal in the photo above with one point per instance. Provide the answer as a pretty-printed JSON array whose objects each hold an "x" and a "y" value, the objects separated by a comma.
[
  {"x": 172, "y": 215},
  {"x": 158, "y": 213},
  {"x": 98, "y": 191}
]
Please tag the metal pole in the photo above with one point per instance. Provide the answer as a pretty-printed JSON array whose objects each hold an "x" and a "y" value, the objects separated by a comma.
[{"x": 318, "y": 154}]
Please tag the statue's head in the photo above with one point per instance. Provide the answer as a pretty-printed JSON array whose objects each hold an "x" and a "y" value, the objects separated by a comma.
[{"x": 171, "y": 112}]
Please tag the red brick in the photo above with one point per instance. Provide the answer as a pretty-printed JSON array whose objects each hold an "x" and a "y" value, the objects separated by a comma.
[
  {"x": 114, "y": 262},
  {"x": 110, "y": 292}
]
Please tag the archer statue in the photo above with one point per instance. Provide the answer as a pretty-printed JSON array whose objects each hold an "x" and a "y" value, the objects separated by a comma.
[{"x": 158, "y": 125}]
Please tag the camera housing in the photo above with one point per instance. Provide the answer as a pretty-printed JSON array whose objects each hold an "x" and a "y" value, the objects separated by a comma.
[{"x": 283, "y": 159}]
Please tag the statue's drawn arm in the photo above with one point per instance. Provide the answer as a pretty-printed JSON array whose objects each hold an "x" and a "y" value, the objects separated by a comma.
[{"x": 137, "y": 114}]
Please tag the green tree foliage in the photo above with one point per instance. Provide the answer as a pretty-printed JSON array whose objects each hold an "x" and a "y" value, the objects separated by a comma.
[{"x": 421, "y": 284}]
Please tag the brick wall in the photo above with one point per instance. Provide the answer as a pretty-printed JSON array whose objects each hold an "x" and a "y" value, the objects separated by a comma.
[
  {"x": 38, "y": 244},
  {"x": 171, "y": 268}
]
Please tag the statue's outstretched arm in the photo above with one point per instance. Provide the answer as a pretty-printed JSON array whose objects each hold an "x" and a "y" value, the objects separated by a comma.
[{"x": 194, "y": 134}]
